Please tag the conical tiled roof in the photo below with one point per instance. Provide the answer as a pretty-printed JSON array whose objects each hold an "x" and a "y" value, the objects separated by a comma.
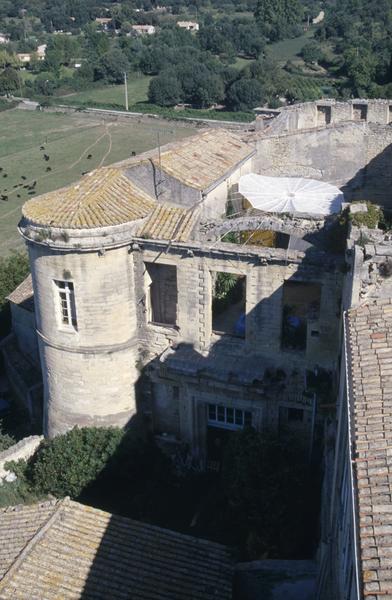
[{"x": 103, "y": 198}]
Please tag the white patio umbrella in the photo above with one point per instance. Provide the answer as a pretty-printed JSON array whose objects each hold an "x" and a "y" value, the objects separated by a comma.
[{"x": 290, "y": 194}]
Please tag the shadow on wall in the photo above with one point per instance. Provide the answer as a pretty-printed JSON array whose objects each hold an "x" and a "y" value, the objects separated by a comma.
[
  {"x": 374, "y": 181},
  {"x": 145, "y": 488}
]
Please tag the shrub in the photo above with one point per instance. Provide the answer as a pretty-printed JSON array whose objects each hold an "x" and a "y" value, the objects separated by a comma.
[
  {"x": 65, "y": 465},
  {"x": 368, "y": 219},
  {"x": 5, "y": 440},
  {"x": 13, "y": 270}
]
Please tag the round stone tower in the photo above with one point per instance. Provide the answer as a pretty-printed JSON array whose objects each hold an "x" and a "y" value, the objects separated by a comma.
[{"x": 82, "y": 268}]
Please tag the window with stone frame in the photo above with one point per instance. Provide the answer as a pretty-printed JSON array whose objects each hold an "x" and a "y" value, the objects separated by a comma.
[
  {"x": 226, "y": 417},
  {"x": 162, "y": 295},
  {"x": 67, "y": 306}
]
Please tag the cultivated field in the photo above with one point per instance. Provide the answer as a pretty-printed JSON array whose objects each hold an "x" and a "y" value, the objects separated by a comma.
[{"x": 42, "y": 151}]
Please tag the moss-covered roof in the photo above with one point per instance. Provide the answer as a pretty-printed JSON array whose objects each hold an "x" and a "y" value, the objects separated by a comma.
[
  {"x": 103, "y": 198},
  {"x": 203, "y": 159}
]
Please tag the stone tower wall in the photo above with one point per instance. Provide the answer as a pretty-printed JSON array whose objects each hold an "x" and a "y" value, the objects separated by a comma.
[{"x": 89, "y": 372}]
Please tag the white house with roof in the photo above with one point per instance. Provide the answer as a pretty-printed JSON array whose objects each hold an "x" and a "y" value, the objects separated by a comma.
[
  {"x": 188, "y": 25},
  {"x": 144, "y": 29}
]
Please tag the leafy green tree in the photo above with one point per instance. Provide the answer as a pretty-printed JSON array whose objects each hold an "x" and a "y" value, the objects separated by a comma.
[
  {"x": 45, "y": 83},
  {"x": 244, "y": 94},
  {"x": 8, "y": 60},
  {"x": 67, "y": 464},
  {"x": 277, "y": 18},
  {"x": 360, "y": 66},
  {"x": 9, "y": 81},
  {"x": 207, "y": 91},
  {"x": 13, "y": 270},
  {"x": 112, "y": 66},
  {"x": 311, "y": 52},
  {"x": 248, "y": 40},
  {"x": 165, "y": 90},
  {"x": 96, "y": 44}
]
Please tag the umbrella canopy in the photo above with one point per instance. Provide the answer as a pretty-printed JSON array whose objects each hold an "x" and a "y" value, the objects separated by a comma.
[{"x": 290, "y": 194}]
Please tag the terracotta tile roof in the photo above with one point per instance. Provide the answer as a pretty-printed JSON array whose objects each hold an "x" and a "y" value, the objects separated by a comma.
[
  {"x": 67, "y": 550},
  {"x": 169, "y": 223},
  {"x": 203, "y": 159},
  {"x": 23, "y": 295},
  {"x": 370, "y": 344},
  {"x": 18, "y": 525},
  {"x": 102, "y": 198}
]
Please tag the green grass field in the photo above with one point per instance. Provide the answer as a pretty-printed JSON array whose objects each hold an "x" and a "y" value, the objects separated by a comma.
[
  {"x": 289, "y": 49},
  {"x": 67, "y": 139},
  {"x": 113, "y": 94}
]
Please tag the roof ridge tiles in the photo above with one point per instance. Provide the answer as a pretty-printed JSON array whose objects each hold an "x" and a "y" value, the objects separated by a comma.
[{"x": 27, "y": 549}]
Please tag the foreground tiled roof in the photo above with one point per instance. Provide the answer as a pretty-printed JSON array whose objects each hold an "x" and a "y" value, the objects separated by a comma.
[
  {"x": 102, "y": 198},
  {"x": 62, "y": 549},
  {"x": 370, "y": 345},
  {"x": 23, "y": 295},
  {"x": 204, "y": 159}
]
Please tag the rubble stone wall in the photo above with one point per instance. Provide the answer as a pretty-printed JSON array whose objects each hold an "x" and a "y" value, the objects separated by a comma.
[
  {"x": 23, "y": 449},
  {"x": 354, "y": 156}
]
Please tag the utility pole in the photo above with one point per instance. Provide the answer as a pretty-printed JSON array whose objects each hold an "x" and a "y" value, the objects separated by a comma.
[{"x": 126, "y": 90}]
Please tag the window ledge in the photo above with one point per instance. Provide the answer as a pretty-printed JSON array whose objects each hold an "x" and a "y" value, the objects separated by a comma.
[
  {"x": 70, "y": 330},
  {"x": 159, "y": 327}
]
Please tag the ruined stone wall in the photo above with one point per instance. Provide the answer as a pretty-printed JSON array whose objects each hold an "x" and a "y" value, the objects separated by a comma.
[
  {"x": 22, "y": 450},
  {"x": 354, "y": 156},
  {"x": 264, "y": 289},
  {"x": 309, "y": 115},
  {"x": 179, "y": 396},
  {"x": 89, "y": 372}
]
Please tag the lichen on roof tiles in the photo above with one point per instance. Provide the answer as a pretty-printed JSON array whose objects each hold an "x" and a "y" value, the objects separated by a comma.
[
  {"x": 370, "y": 346},
  {"x": 104, "y": 197},
  {"x": 23, "y": 295},
  {"x": 169, "y": 223},
  {"x": 204, "y": 159},
  {"x": 68, "y": 550}
]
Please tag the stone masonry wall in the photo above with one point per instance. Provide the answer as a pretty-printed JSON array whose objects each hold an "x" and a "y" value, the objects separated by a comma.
[
  {"x": 23, "y": 449},
  {"x": 309, "y": 115},
  {"x": 88, "y": 372},
  {"x": 263, "y": 306},
  {"x": 354, "y": 156}
]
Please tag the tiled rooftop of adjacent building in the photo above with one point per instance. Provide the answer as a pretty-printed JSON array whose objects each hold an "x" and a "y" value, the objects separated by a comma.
[
  {"x": 169, "y": 223},
  {"x": 370, "y": 345},
  {"x": 203, "y": 159},
  {"x": 107, "y": 196},
  {"x": 63, "y": 549},
  {"x": 23, "y": 295}
]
